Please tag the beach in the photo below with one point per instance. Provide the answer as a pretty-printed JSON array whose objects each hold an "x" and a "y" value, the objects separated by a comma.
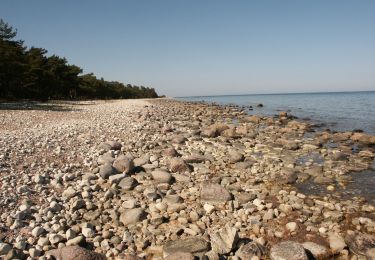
[{"x": 169, "y": 179}]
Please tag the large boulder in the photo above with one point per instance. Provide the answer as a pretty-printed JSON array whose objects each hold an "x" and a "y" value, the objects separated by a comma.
[
  {"x": 360, "y": 243},
  {"x": 74, "y": 252},
  {"x": 161, "y": 176},
  {"x": 106, "y": 170},
  {"x": 212, "y": 192},
  {"x": 194, "y": 245},
  {"x": 288, "y": 250},
  {"x": 224, "y": 240},
  {"x": 123, "y": 164},
  {"x": 364, "y": 138},
  {"x": 132, "y": 216},
  {"x": 214, "y": 130},
  {"x": 178, "y": 165}
]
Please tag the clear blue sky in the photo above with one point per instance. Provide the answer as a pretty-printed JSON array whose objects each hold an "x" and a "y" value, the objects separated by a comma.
[{"x": 209, "y": 47}]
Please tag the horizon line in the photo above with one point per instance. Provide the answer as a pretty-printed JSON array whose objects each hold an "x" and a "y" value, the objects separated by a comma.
[{"x": 277, "y": 93}]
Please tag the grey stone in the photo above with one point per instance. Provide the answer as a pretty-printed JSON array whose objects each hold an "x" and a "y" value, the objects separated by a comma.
[
  {"x": 74, "y": 252},
  {"x": 223, "y": 240},
  {"x": 123, "y": 164},
  {"x": 128, "y": 183},
  {"x": 161, "y": 176},
  {"x": 211, "y": 192},
  {"x": 318, "y": 251},
  {"x": 132, "y": 216},
  {"x": 106, "y": 170},
  {"x": 193, "y": 245},
  {"x": 288, "y": 250}
]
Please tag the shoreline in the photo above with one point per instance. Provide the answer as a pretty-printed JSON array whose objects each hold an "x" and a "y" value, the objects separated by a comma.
[{"x": 160, "y": 177}]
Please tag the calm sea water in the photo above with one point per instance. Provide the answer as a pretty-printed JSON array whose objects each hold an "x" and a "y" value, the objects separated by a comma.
[{"x": 339, "y": 111}]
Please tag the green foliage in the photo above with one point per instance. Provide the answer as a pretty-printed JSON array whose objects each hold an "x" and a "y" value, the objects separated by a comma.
[{"x": 30, "y": 73}]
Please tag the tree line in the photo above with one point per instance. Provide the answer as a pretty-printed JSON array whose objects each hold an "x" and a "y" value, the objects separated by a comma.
[{"x": 28, "y": 73}]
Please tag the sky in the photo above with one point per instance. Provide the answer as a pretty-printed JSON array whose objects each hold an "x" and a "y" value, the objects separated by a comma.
[{"x": 196, "y": 48}]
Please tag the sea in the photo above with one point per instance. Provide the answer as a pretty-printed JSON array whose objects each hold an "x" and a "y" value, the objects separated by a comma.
[{"x": 337, "y": 111}]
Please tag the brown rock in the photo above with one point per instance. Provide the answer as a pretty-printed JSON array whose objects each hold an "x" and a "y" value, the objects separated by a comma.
[{"x": 74, "y": 253}]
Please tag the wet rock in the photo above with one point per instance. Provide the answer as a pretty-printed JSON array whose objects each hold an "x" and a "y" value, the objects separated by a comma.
[
  {"x": 323, "y": 180},
  {"x": 364, "y": 138},
  {"x": 224, "y": 240},
  {"x": 211, "y": 192},
  {"x": 193, "y": 245},
  {"x": 74, "y": 252},
  {"x": 132, "y": 216},
  {"x": 339, "y": 156},
  {"x": 288, "y": 250}
]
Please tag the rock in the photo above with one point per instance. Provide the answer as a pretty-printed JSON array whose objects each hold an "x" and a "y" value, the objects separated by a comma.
[
  {"x": 249, "y": 250},
  {"x": 116, "y": 178},
  {"x": 288, "y": 250},
  {"x": 195, "y": 158},
  {"x": 178, "y": 165},
  {"x": 132, "y": 216},
  {"x": 74, "y": 252},
  {"x": 180, "y": 256},
  {"x": 75, "y": 241},
  {"x": 336, "y": 242},
  {"x": 141, "y": 161},
  {"x": 318, "y": 251},
  {"x": 107, "y": 170},
  {"x": 78, "y": 204},
  {"x": 208, "y": 208},
  {"x": 193, "y": 245},
  {"x": 88, "y": 232},
  {"x": 339, "y": 156},
  {"x": 37, "y": 231},
  {"x": 123, "y": 164},
  {"x": 170, "y": 152},
  {"x": 178, "y": 139},
  {"x": 254, "y": 119},
  {"x": 364, "y": 138},
  {"x": 211, "y": 192},
  {"x": 360, "y": 243},
  {"x": 224, "y": 240},
  {"x": 235, "y": 156},
  {"x": 161, "y": 176},
  {"x": 291, "y": 226},
  {"x": 69, "y": 193},
  {"x": 55, "y": 238},
  {"x": 214, "y": 130},
  {"x": 323, "y": 180},
  {"x": 4, "y": 248},
  {"x": 106, "y": 158},
  {"x": 128, "y": 183}
]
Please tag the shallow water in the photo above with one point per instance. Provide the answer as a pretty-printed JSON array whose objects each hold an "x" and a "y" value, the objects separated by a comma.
[
  {"x": 341, "y": 111},
  {"x": 362, "y": 185}
]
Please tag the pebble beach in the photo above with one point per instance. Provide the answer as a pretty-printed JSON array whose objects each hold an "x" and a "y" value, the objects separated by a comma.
[{"x": 169, "y": 179}]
